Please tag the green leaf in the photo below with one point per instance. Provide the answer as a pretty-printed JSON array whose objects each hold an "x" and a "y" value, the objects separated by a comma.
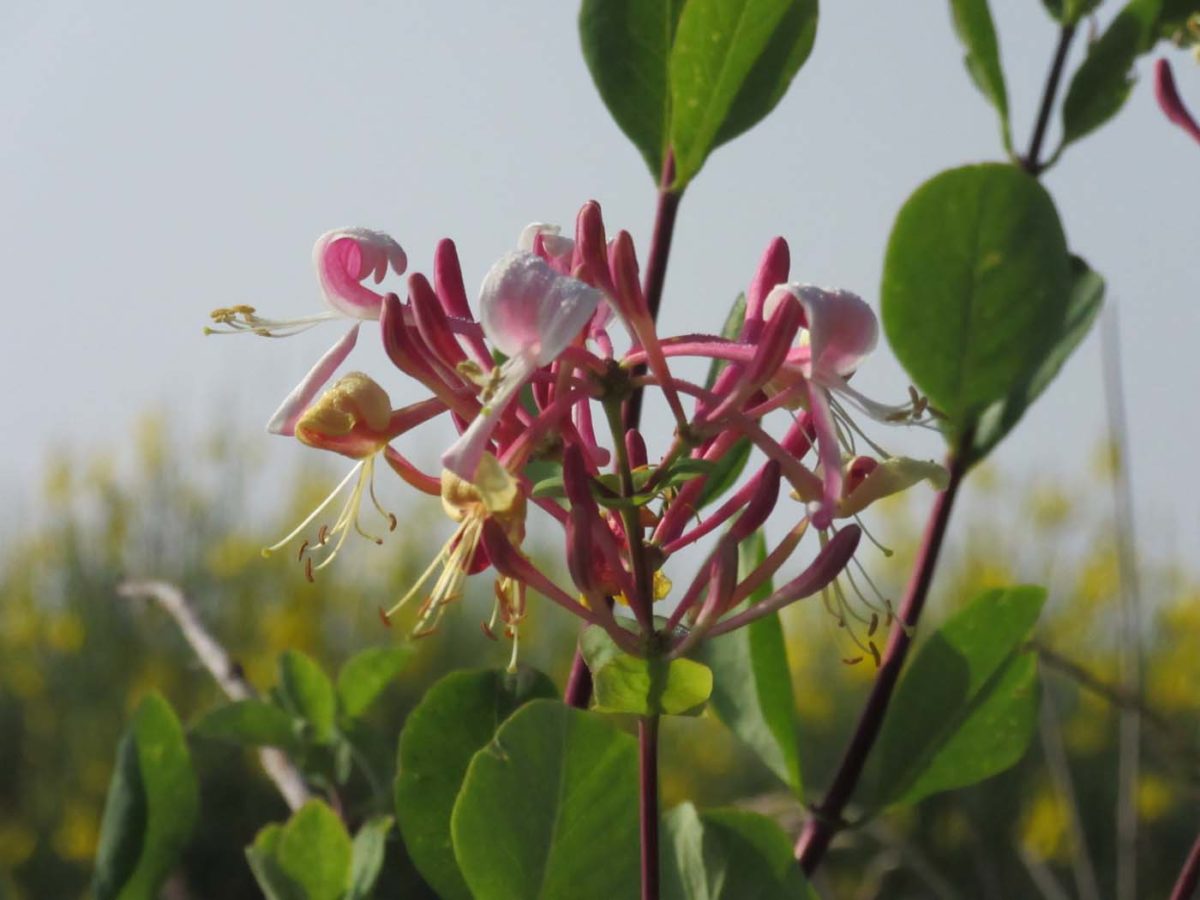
[
  {"x": 366, "y": 674},
  {"x": 151, "y": 806},
  {"x": 1083, "y": 305},
  {"x": 752, "y": 685},
  {"x": 731, "y": 62},
  {"x": 456, "y": 717},
  {"x": 975, "y": 286},
  {"x": 251, "y": 723},
  {"x": 366, "y": 860},
  {"x": 730, "y": 330},
  {"x": 308, "y": 858},
  {"x": 627, "y": 48},
  {"x": 967, "y": 707},
  {"x": 309, "y": 693},
  {"x": 973, "y": 23},
  {"x": 1101, "y": 85},
  {"x": 549, "y": 809},
  {"x": 727, "y": 855},
  {"x": 622, "y": 683}
]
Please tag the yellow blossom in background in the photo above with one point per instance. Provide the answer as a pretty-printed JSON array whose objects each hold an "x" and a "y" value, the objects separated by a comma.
[{"x": 1043, "y": 827}]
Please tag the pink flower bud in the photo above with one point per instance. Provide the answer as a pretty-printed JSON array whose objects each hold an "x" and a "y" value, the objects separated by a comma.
[{"x": 1170, "y": 101}]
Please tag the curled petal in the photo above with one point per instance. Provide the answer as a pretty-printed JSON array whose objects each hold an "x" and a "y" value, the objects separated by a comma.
[
  {"x": 345, "y": 258},
  {"x": 293, "y": 407}
]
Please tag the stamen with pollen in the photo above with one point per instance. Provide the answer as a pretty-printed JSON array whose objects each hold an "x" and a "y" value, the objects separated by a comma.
[{"x": 244, "y": 319}]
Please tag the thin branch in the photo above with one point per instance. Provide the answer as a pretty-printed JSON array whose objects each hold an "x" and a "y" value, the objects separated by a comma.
[
  {"x": 826, "y": 820},
  {"x": 648, "y": 804},
  {"x": 1189, "y": 875},
  {"x": 1055, "y": 754},
  {"x": 1032, "y": 162},
  {"x": 1041, "y": 876},
  {"x": 1129, "y": 745},
  {"x": 226, "y": 672}
]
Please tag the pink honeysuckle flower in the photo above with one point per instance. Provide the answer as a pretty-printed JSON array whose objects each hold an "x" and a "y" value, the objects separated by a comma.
[
  {"x": 868, "y": 480},
  {"x": 531, "y": 314},
  {"x": 1170, "y": 101},
  {"x": 354, "y": 418}
]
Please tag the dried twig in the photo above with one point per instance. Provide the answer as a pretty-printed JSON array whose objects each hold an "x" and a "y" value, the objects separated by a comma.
[{"x": 226, "y": 672}]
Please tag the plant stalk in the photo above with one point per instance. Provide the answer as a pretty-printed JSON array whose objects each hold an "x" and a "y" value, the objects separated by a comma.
[
  {"x": 826, "y": 818},
  {"x": 1032, "y": 162},
  {"x": 1189, "y": 875},
  {"x": 648, "y": 803}
]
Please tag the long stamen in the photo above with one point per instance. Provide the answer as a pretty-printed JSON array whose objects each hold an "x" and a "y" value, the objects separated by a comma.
[
  {"x": 244, "y": 320},
  {"x": 267, "y": 551}
]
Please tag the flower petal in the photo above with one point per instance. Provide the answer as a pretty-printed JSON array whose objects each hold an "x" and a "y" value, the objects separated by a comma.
[
  {"x": 345, "y": 257},
  {"x": 289, "y": 412},
  {"x": 890, "y": 477},
  {"x": 842, "y": 329},
  {"x": 464, "y": 454},
  {"x": 525, "y": 307}
]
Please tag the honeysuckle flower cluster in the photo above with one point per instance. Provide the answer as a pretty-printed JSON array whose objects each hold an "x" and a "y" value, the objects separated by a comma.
[{"x": 561, "y": 336}]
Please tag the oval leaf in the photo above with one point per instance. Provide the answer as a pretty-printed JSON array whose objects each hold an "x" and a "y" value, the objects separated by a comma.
[
  {"x": 752, "y": 685},
  {"x": 1083, "y": 305},
  {"x": 251, "y": 723},
  {"x": 967, "y": 706},
  {"x": 731, "y": 62},
  {"x": 549, "y": 809},
  {"x": 622, "y": 683},
  {"x": 308, "y": 691},
  {"x": 151, "y": 806},
  {"x": 456, "y": 717},
  {"x": 308, "y": 858},
  {"x": 366, "y": 674},
  {"x": 975, "y": 286},
  {"x": 627, "y": 48},
  {"x": 366, "y": 861},
  {"x": 973, "y": 23},
  {"x": 1102, "y": 83},
  {"x": 727, "y": 855}
]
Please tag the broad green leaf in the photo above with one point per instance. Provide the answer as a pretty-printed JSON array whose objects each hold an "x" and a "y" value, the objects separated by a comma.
[
  {"x": 752, "y": 686},
  {"x": 1086, "y": 298},
  {"x": 1101, "y": 85},
  {"x": 456, "y": 717},
  {"x": 1068, "y": 12},
  {"x": 973, "y": 22},
  {"x": 726, "y": 472},
  {"x": 549, "y": 809},
  {"x": 366, "y": 860},
  {"x": 627, "y": 48},
  {"x": 622, "y": 683},
  {"x": 251, "y": 723},
  {"x": 308, "y": 691},
  {"x": 366, "y": 674},
  {"x": 151, "y": 806},
  {"x": 308, "y": 858},
  {"x": 976, "y": 285},
  {"x": 727, "y": 855},
  {"x": 731, "y": 62},
  {"x": 967, "y": 706}
]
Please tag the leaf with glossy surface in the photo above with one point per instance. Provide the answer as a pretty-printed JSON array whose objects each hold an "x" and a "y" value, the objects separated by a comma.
[
  {"x": 309, "y": 692},
  {"x": 549, "y": 809},
  {"x": 752, "y": 685},
  {"x": 1101, "y": 85},
  {"x": 151, "y": 806},
  {"x": 366, "y": 674},
  {"x": 455, "y": 718},
  {"x": 1083, "y": 305},
  {"x": 975, "y": 287},
  {"x": 727, "y": 854},
  {"x": 251, "y": 723},
  {"x": 627, "y": 48},
  {"x": 731, "y": 63},
  {"x": 967, "y": 706},
  {"x": 623, "y": 683},
  {"x": 973, "y": 23},
  {"x": 366, "y": 859},
  {"x": 308, "y": 858}
]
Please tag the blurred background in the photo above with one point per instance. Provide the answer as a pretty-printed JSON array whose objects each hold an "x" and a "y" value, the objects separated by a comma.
[{"x": 160, "y": 161}]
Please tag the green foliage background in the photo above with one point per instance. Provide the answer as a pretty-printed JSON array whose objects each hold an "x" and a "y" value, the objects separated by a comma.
[{"x": 75, "y": 659}]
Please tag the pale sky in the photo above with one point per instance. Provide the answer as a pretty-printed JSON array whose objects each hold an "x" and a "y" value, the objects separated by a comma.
[{"x": 162, "y": 159}]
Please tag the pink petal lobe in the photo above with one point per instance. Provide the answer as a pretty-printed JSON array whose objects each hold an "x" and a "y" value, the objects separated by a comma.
[{"x": 348, "y": 256}]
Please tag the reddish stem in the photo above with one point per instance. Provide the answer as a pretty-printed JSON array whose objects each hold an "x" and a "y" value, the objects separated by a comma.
[
  {"x": 648, "y": 803},
  {"x": 1189, "y": 875},
  {"x": 827, "y": 815}
]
